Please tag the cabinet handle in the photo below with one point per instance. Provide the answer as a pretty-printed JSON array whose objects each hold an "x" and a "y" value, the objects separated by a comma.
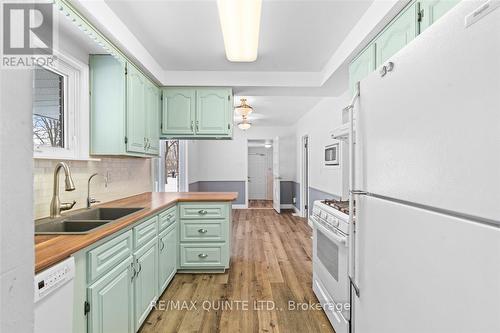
[
  {"x": 202, "y": 255},
  {"x": 169, "y": 216},
  {"x": 202, "y": 231},
  {"x": 197, "y": 128},
  {"x": 192, "y": 125},
  {"x": 202, "y": 212},
  {"x": 133, "y": 271},
  {"x": 162, "y": 245},
  {"x": 140, "y": 268}
]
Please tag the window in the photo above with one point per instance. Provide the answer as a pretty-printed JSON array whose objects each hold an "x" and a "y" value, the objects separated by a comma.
[
  {"x": 61, "y": 110},
  {"x": 172, "y": 166},
  {"x": 48, "y": 109}
]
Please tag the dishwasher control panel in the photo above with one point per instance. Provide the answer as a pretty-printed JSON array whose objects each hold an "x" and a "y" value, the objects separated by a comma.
[{"x": 54, "y": 277}]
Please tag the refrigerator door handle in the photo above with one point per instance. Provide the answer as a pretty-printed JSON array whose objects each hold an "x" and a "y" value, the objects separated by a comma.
[{"x": 354, "y": 286}]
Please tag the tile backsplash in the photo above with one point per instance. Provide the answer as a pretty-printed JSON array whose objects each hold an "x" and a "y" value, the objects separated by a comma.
[{"x": 125, "y": 177}]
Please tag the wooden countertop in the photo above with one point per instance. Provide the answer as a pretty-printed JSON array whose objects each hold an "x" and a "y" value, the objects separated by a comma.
[{"x": 50, "y": 249}]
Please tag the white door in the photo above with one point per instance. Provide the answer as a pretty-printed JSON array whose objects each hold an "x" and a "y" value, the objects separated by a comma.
[
  {"x": 257, "y": 167},
  {"x": 276, "y": 175}
]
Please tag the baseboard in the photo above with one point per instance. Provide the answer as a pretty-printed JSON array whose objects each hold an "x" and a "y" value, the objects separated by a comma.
[
  {"x": 287, "y": 206},
  {"x": 239, "y": 206},
  {"x": 297, "y": 211}
]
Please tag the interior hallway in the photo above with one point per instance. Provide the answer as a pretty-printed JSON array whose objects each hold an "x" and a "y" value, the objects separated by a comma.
[
  {"x": 260, "y": 204},
  {"x": 270, "y": 261}
]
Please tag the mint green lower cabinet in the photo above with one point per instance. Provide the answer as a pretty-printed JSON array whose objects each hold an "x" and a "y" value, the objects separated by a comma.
[
  {"x": 111, "y": 301},
  {"x": 397, "y": 35},
  {"x": 361, "y": 66},
  {"x": 203, "y": 255},
  {"x": 432, "y": 10},
  {"x": 167, "y": 257},
  {"x": 204, "y": 235},
  {"x": 145, "y": 281}
]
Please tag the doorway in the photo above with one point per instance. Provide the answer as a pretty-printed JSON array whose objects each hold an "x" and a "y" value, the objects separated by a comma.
[
  {"x": 305, "y": 177},
  {"x": 172, "y": 166},
  {"x": 260, "y": 174}
]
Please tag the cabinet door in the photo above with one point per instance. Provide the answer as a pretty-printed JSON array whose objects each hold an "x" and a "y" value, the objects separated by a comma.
[
  {"x": 397, "y": 35},
  {"x": 111, "y": 301},
  {"x": 136, "y": 124},
  {"x": 432, "y": 10},
  {"x": 146, "y": 281},
  {"x": 152, "y": 118},
  {"x": 363, "y": 65},
  {"x": 213, "y": 111},
  {"x": 167, "y": 257},
  {"x": 178, "y": 114}
]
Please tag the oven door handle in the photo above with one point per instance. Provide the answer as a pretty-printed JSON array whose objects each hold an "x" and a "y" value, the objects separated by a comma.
[{"x": 330, "y": 234}]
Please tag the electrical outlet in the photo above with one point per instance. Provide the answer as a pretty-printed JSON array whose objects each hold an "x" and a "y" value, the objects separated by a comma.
[{"x": 294, "y": 200}]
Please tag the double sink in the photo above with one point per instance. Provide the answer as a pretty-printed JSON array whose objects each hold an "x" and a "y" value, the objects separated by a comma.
[{"x": 81, "y": 222}]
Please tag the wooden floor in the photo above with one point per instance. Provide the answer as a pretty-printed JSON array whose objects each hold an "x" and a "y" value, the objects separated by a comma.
[
  {"x": 268, "y": 204},
  {"x": 270, "y": 261}
]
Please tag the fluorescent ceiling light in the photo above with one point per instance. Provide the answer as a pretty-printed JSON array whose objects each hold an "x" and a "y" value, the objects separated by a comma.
[{"x": 240, "y": 23}]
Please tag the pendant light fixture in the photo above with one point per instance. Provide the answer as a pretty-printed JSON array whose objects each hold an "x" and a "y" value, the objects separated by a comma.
[
  {"x": 243, "y": 109},
  {"x": 244, "y": 124}
]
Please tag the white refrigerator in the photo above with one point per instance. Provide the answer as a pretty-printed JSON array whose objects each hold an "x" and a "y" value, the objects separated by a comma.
[{"x": 426, "y": 240}]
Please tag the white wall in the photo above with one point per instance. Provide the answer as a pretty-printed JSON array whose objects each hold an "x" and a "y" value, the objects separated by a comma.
[
  {"x": 226, "y": 160},
  {"x": 317, "y": 124},
  {"x": 16, "y": 197}
]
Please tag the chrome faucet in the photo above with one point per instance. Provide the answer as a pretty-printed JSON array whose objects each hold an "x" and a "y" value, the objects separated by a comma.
[
  {"x": 90, "y": 200},
  {"x": 55, "y": 205}
]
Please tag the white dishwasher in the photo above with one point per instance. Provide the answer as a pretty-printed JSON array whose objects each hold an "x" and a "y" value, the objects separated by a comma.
[{"x": 54, "y": 298}]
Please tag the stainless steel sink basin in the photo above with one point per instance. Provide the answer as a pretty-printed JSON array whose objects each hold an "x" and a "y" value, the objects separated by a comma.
[
  {"x": 68, "y": 227},
  {"x": 102, "y": 214},
  {"x": 81, "y": 222}
]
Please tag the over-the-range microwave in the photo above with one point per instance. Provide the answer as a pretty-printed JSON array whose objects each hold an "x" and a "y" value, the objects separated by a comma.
[{"x": 332, "y": 154}]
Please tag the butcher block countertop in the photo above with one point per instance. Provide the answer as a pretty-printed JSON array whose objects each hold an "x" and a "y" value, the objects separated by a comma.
[{"x": 50, "y": 249}]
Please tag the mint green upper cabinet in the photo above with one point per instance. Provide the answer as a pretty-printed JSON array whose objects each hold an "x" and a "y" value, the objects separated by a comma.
[
  {"x": 178, "y": 111},
  {"x": 136, "y": 111},
  {"x": 360, "y": 67},
  {"x": 212, "y": 116},
  {"x": 432, "y": 10},
  {"x": 111, "y": 301},
  {"x": 197, "y": 113},
  {"x": 167, "y": 257},
  {"x": 153, "y": 108},
  {"x": 125, "y": 109},
  {"x": 146, "y": 281},
  {"x": 397, "y": 35},
  {"x": 107, "y": 105}
]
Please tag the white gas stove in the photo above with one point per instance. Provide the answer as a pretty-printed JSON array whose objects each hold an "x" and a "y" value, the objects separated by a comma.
[{"x": 330, "y": 260}]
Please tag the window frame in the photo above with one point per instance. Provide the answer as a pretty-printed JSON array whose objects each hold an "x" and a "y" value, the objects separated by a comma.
[{"x": 76, "y": 110}]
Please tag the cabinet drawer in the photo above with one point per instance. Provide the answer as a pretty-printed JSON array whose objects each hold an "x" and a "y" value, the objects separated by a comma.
[
  {"x": 204, "y": 211},
  {"x": 145, "y": 231},
  {"x": 167, "y": 218},
  {"x": 204, "y": 230},
  {"x": 203, "y": 255},
  {"x": 106, "y": 256}
]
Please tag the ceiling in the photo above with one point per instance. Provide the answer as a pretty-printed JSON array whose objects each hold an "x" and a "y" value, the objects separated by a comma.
[
  {"x": 277, "y": 110},
  {"x": 295, "y": 36}
]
